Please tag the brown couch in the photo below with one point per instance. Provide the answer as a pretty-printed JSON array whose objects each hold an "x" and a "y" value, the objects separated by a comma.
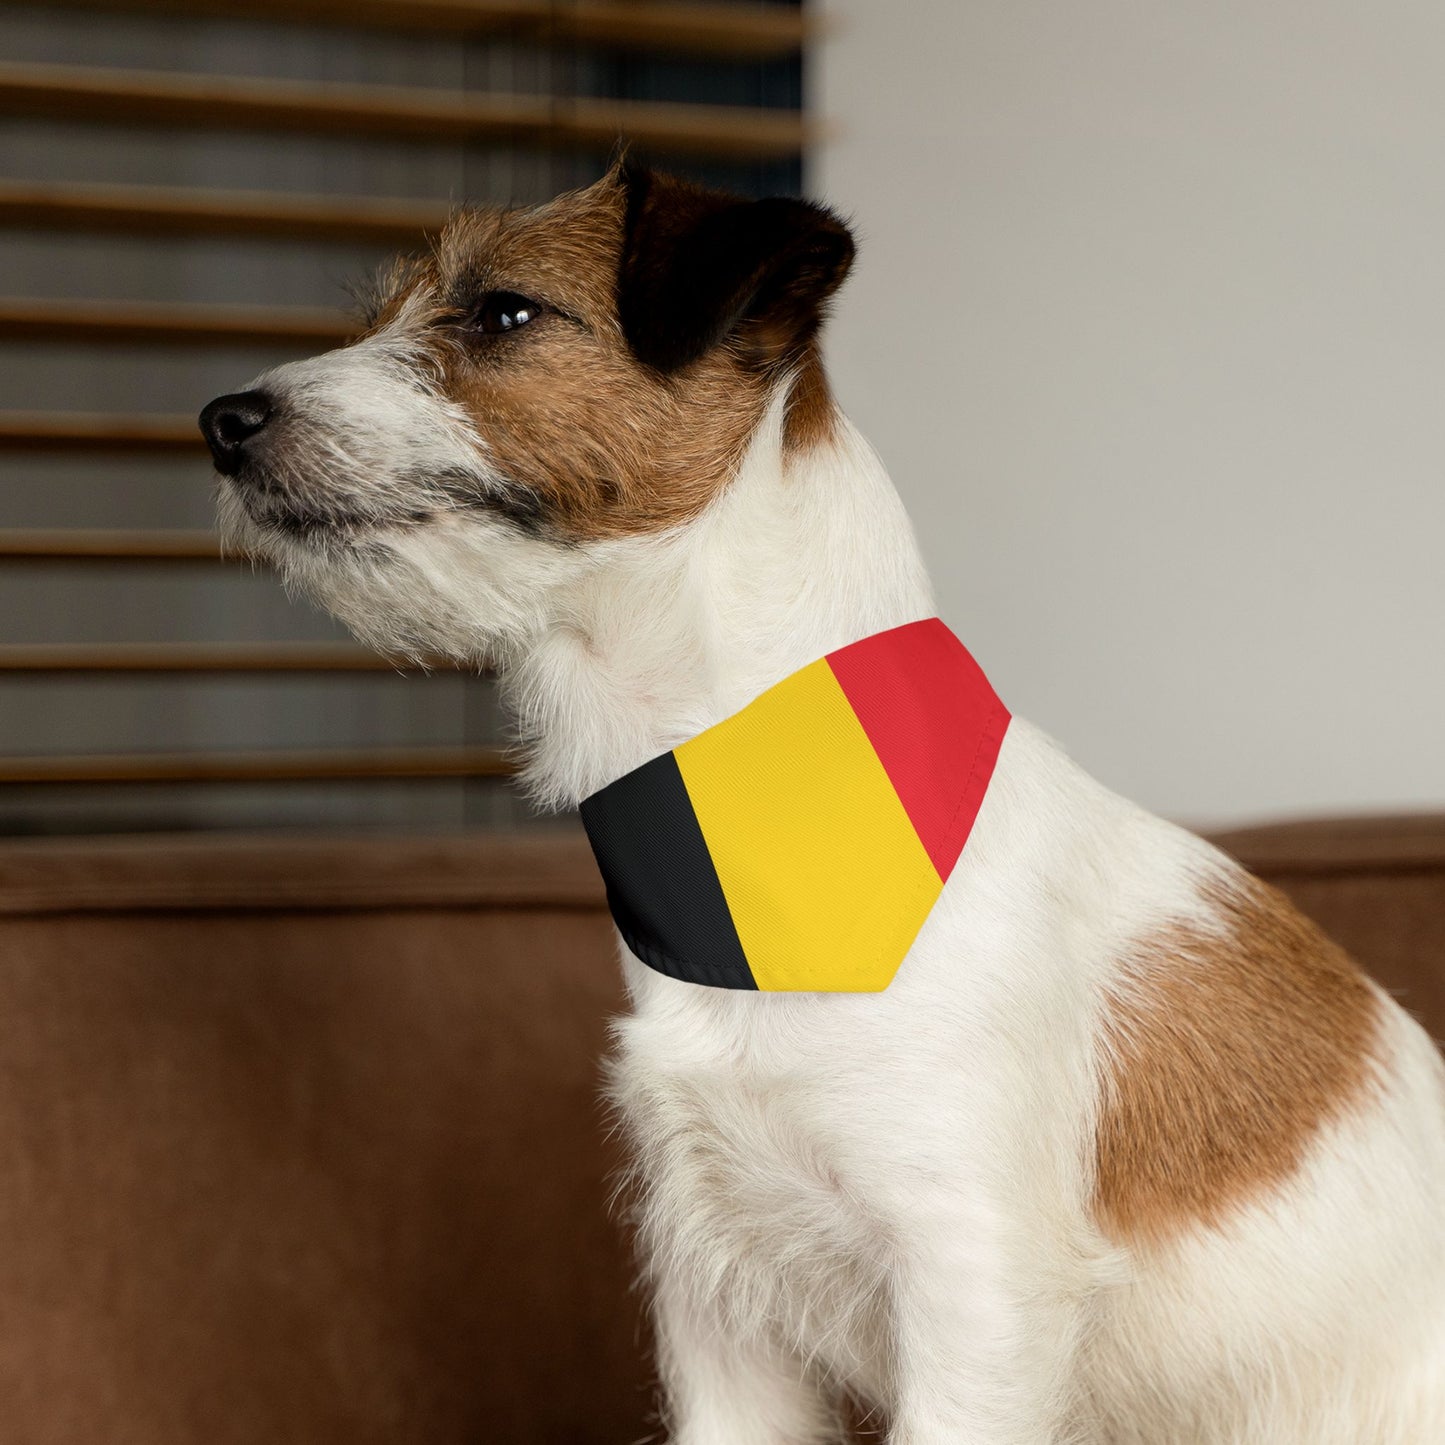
[{"x": 302, "y": 1142}]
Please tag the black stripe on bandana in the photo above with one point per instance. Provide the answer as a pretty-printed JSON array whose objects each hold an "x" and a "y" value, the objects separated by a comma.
[{"x": 660, "y": 879}]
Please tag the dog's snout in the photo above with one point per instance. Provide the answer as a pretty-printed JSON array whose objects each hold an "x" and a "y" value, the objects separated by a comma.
[{"x": 229, "y": 422}]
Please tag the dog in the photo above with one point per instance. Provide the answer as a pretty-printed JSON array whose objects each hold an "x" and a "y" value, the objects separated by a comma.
[{"x": 1126, "y": 1152}]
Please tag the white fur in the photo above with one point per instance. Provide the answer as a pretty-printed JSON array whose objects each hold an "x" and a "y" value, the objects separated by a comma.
[{"x": 889, "y": 1193}]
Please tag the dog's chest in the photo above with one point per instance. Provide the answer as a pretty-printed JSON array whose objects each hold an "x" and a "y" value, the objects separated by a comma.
[{"x": 745, "y": 1185}]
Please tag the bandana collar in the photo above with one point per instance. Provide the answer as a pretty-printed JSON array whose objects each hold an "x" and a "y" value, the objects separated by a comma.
[{"x": 800, "y": 844}]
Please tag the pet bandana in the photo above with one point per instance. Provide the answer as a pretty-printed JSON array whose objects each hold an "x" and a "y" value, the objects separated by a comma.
[{"x": 800, "y": 844}]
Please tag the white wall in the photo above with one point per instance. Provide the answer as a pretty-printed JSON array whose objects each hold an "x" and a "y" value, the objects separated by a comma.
[{"x": 1149, "y": 324}]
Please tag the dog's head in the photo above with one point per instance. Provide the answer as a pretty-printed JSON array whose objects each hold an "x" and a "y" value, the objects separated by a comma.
[{"x": 545, "y": 382}]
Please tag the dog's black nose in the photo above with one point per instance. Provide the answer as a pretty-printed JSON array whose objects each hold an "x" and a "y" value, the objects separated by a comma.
[{"x": 229, "y": 422}]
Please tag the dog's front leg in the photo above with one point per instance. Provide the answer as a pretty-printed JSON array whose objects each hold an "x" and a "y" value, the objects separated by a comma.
[
  {"x": 723, "y": 1387},
  {"x": 984, "y": 1341}
]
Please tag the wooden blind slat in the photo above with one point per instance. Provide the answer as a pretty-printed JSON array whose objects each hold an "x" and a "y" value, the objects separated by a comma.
[
  {"x": 172, "y": 323},
  {"x": 174, "y": 657},
  {"x": 326, "y": 765},
  {"x": 755, "y": 32},
  {"x": 219, "y": 102},
  {"x": 82, "y": 544},
  {"x": 761, "y": 32},
  {"x": 173, "y": 211},
  {"x": 78, "y": 431},
  {"x": 98, "y": 432}
]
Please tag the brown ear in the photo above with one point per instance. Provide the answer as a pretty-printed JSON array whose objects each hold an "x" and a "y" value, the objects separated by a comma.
[{"x": 699, "y": 266}]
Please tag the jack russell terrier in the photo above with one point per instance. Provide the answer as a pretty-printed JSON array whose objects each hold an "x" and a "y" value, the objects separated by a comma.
[{"x": 1061, "y": 1129}]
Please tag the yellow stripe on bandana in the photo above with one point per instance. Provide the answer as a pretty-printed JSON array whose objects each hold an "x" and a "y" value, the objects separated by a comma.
[{"x": 824, "y": 874}]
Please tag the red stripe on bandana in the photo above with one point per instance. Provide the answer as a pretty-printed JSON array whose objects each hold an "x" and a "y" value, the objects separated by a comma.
[{"x": 934, "y": 722}]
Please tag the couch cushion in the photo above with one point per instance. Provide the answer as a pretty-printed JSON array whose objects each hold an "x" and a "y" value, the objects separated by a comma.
[
  {"x": 302, "y": 1139},
  {"x": 302, "y": 1143}
]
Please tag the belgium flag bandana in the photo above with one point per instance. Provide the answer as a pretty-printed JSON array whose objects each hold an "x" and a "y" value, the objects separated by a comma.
[{"x": 800, "y": 844}]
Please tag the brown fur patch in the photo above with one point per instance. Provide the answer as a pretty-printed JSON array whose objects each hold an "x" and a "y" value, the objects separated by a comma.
[
  {"x": 1227, "y": 1052},
  {"x": 605, "y": 445},
  {"x": 812, "y": 415}
]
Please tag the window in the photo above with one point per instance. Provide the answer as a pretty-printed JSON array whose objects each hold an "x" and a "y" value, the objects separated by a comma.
[{"x": 185, "y": 192}]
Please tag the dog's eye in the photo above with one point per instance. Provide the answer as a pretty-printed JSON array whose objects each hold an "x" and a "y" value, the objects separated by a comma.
[{"x": 504, "y": 311}]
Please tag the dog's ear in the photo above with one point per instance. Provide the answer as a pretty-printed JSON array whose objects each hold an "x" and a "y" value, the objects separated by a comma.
[{"x": 699, "y": 266}]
